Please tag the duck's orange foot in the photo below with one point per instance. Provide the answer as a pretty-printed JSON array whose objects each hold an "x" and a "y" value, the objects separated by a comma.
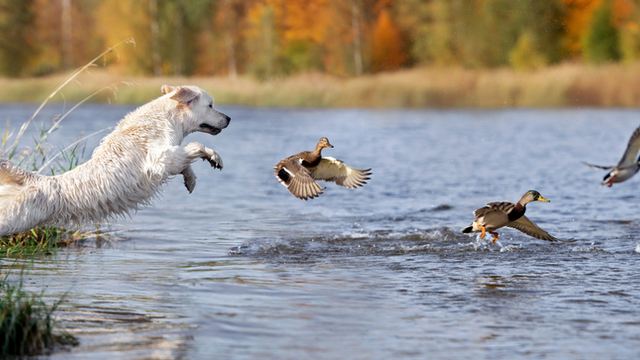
[
  {"x": 484, "y": 231},
  {"x": 613, "y": 179},
  {"x": 495, "y": 236}
]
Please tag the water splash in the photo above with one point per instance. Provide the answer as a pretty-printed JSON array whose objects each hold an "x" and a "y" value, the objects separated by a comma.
[
  {"x": 588, "y": 249},
  {"x": 485, "y": 244}
]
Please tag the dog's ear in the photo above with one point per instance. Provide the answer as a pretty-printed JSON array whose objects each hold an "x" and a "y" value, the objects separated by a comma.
[
  {"x": 166, "y": 89},
  {"x": 184, "y": 94}
]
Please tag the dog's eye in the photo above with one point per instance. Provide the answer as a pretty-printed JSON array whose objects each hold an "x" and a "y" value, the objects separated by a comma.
[{"x": 211, "y": 106}]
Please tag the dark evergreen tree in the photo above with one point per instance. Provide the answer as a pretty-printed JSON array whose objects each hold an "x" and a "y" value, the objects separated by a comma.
[{"x": 17, "y": 40}]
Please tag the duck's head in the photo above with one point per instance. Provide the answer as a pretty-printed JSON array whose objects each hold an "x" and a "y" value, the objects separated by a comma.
[
  {"x": 609, "y": 179},
  {"x": 532, "y": 195},
  {"x": 324, "y": 143}
]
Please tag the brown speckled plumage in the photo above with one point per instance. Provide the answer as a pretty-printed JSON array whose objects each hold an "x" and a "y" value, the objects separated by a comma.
[{"x": 300, "y": 172}]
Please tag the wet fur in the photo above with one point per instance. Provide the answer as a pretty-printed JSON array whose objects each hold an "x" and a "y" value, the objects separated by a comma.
[{"x": 124, "y": 173}]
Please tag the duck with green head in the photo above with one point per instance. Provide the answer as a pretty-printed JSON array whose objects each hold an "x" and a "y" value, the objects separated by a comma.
[{"x": 500, "y": 214}]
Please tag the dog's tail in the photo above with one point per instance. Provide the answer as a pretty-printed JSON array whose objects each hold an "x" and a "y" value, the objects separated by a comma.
[{"x": 12, "y": 180}]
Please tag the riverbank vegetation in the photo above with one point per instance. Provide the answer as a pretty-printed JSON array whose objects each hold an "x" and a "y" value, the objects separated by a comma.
[
  {"x": 26, "y": 322},
  {"x": 41, "y": 160},
  {"x": 45, "y": 240},
  {"x": 564, "y": 85}
]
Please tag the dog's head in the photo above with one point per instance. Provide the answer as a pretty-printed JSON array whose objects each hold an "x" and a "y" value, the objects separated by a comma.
[{"x": 198, "y": 108}]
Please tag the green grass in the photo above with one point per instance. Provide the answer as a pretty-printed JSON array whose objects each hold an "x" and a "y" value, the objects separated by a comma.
[
  {"x": 26, "y": 323},
  {"x": 44, "y": 240}
]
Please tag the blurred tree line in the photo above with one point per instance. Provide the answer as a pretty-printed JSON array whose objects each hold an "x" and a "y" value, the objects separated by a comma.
[{"x": 268, "y": 38}]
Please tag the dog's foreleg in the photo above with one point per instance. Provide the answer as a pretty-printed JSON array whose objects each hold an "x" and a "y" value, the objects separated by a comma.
[
  {"x": 196, "y": 150},
  {"x": 178, "y": 159},
  {"x": 189, "y": 178}
]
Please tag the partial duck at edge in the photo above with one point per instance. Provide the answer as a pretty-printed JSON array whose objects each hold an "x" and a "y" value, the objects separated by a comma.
[{"x": 627, "y": 166}]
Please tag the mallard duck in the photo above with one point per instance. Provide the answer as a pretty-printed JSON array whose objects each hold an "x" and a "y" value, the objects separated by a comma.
[
  {"x": 300, "y": 172},
  {"x": 627, "y": 166},
  {"x": 499, "y": 214}
]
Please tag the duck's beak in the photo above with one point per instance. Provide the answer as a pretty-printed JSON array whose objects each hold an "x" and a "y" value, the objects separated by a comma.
[
  {"x": 328, "y": 145},
  {"x": 543, "y": 199}
]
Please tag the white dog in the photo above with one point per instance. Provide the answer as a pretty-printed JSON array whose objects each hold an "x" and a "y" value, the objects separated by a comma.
[{"x": 124, "y": 172}]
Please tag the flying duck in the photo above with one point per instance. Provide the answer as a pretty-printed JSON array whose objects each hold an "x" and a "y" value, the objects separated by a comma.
[
  {"x": 627, "y": 166},
  {"x": 300, "y": 172},
  {"x": 499, "y": 214}
]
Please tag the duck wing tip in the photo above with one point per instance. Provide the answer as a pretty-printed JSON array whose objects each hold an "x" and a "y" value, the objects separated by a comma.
[
  {"x": 568, "y": 241},
  {"x": 602, "y": 167}
]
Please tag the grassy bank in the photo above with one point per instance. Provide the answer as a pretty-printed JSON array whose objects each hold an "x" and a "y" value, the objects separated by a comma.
[
  {"x": 44, "y": 240},
  {"x": 612, "y": 85},
  {"x": 26, "y": 323}
]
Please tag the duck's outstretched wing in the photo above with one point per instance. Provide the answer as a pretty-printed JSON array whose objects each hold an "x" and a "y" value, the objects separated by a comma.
[
  {"x": 526, "y": 226},
  {"x": 334, "y": 170},
  {"x": 599, "y": 166},
  {"x": 629, "y": 156},
  {"x": 298, "y": 180}
]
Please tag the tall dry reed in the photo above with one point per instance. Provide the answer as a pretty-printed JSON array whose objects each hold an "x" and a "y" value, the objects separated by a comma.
[{"x": 564, "y": 85}]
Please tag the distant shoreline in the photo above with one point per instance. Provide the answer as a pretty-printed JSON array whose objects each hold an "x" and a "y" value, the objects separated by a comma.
[{"x": 565, "y": 85}]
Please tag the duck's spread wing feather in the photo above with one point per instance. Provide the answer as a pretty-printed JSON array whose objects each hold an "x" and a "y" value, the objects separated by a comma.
[
  {"x": 482, "y": 212},
  {"x": 334, "y": 170},
  {"x": 629, "y": 157},
  {"x": 526, "y": 226},
  {"x": 298, "y": 180},
  {"x": 599, "y": 166}
]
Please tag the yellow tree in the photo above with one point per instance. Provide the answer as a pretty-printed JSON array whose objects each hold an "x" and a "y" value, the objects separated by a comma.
[
  {"x": 118, "y": 20},
  {"x": 263, "y": 38},
  {"x": 305, "y": 29},
  {"x": 626, "y": 14},
  {"x": 65, "y": 35}
]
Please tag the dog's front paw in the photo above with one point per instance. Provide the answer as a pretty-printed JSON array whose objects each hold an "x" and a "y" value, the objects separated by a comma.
[{"x": 214, "y": 159}]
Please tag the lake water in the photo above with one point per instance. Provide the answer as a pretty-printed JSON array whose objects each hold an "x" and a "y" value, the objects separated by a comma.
[{"x": 241, "y": 269}]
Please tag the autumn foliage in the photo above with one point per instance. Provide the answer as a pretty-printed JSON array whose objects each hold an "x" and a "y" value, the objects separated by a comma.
[
  {"x": 388, "y": 51},
  {"x": 275, "y": 38}
]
